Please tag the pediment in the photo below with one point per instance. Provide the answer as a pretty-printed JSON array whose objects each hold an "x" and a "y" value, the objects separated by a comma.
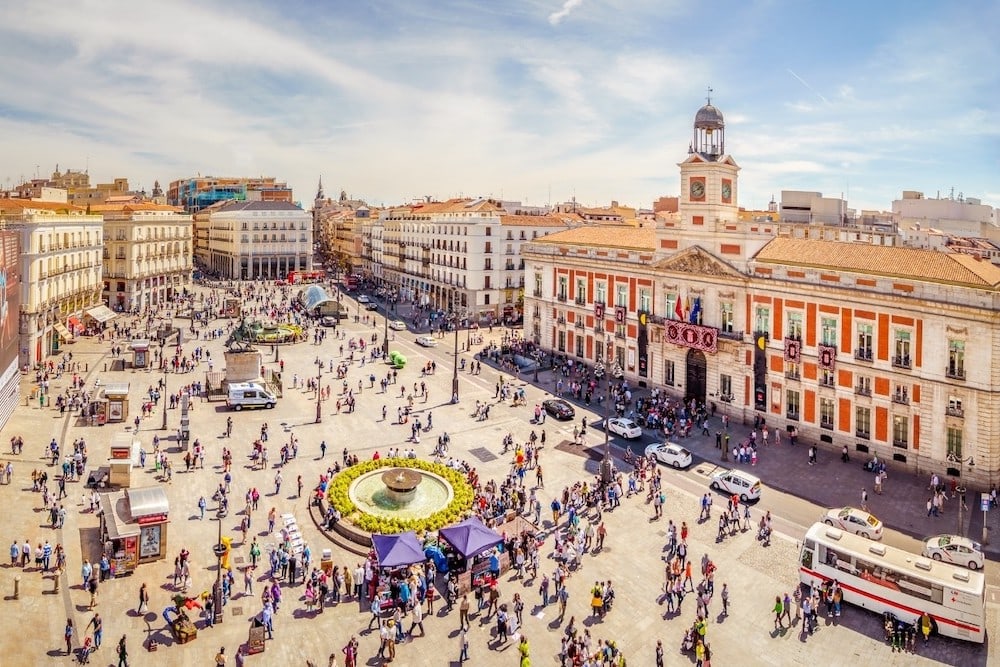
[{"x": 698, "y": 261}]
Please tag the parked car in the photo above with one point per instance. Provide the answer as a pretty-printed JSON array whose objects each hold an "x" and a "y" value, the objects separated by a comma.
[
  {"x": 426, "y": 341},
  {"x": 363, "y": 298},
  {"x": 736, "y": 482},
  {"x": 626, "y": 428},
  {"x": 559, "y": 409},
  {"x": 328, "y": 321},
  {"x": 956, "y": 550},
  {"x": 671, "y": 454},
  {"x": 854, "y": 520},
  {"x": 397, "y": 325},
  {"x": 371, "y": 305}
]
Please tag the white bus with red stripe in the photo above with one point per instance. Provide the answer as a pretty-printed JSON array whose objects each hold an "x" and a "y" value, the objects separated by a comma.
[{"x": 882, "y": 579}]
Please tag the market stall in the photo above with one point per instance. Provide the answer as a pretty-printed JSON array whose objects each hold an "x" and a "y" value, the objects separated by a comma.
[
  {"x": 394, "y": 554},
  {"x": 140, "y": 353},
  {"x": 134, "y": 527},
  {"x": 125, "y": 455},
  {"x": 473, "y": 557}
]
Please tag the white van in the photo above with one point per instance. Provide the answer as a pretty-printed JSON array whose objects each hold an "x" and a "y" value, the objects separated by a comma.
[
  {"x": 736, "y": 482},
  {"x": 250, "y": 395}
]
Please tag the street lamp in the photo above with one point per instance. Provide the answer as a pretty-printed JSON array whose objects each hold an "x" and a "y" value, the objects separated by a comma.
[
  {"x": 319, "y": 390},
  {"x": 163, "y": 394},
  {"x": 219, "y": 549},
  {"x": 607, "y": 465},
  {"x": 454, "y": 377},
  {"x": 385, "y": 334}
]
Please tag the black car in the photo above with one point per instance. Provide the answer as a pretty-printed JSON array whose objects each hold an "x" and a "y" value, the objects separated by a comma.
[
  {"x": 371, "y": 305},
  {"x": 559, "y": 409}
]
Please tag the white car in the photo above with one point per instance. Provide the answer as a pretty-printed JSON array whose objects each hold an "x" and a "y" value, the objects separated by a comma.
[
  {"x": 670, "y": 454},
  {"x": 426, "y": 341},
  {"x": 956, "y": 550},
  {"x": 363, "y": 299},
  {"x": 626, "y": 428},
  {"x": 853, "y": 520},
  {"x": 737, "y": 483},
  {"x": 397, "y": 325}
]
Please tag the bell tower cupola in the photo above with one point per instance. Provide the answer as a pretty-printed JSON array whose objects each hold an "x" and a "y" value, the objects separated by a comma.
[{"x": 709, "y": 132}]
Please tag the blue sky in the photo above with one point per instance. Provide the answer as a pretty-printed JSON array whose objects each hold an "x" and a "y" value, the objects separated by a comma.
[{"x": 536, "y": 100}]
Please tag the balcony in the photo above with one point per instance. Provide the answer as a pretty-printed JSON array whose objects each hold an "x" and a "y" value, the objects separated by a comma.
[
  {"x": 902, "y": 444},
  {"x": 953, "y": 411},
  {"x": 864, "y": 435},
  {"x": 580, "y": 301},
  {"x": 579, "y": 324},
  {"x": 537, "y": 293},
  {"x": 901, "y": 397},
  {"x": 598, "y": 329},
  {"x": 731, "y": 335},
  {"x": 620, "y": 335},
  {"x": 955, "y": 372},
  {"x": 863, "y": 390},
  {"x": 536, "y": 315},
  {"x": 560, "y": 320},
  {"x": 825, "y": 424},
  {"x": 793, "y": 375},
  {"x": 794, "y": 416},
  {"x": 797, "y": 337},
  {"x": 561, "y": 298},
  {"x": 901, "y": 361},
  {"x": 863, "y": 354}
]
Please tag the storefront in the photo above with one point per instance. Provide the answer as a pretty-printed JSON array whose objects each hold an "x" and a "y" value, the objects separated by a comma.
[
  {"x": 98, "y": 317},
  {"x": 134, "y": 527},
  {"x": 140, "y": 353},
  {"x": 112, "y": 403},
  {"x": 125, "y": 452}
]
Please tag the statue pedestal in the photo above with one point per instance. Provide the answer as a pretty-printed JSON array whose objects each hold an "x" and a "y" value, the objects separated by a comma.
[{"x": 243, "y": 366}]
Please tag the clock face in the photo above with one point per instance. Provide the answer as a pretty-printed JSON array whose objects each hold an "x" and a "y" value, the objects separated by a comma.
[
  {"x": 697, "y": 189},
  {"x": 727, "y": 191}
]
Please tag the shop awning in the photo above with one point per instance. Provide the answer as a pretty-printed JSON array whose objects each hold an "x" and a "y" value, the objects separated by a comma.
[
  {"x": 470, "y": 537},
  {"x": 62, "y": 330},
  {"x": 147, "y": 501},
  {"x": 116, "y": 519},
  {"x": 102, "y": 313},
  {"x": 398, "y": 550},
  {"x": 74, "y": 323}
]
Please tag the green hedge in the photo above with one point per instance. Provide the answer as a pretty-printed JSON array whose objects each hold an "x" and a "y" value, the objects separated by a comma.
[{"x": 457, "y": 510}]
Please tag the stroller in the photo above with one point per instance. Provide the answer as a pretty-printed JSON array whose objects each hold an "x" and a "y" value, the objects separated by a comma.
[
  {"x": 687, "y": 643},
  {"x": 83, "y": 653}
]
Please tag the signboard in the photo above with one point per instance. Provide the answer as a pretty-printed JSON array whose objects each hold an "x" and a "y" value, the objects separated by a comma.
[
  {"x": 984, "y": 502},
  {"x": 692, "y": 335}
]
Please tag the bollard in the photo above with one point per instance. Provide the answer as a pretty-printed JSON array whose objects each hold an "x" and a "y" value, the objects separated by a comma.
[
  {"x": 17, "y": 588},
  {"x": 105, "y": 368},
  {"x": 55, "y": 583}
]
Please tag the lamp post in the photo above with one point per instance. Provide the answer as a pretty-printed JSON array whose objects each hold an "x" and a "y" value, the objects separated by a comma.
[
  {"x": 607, "y": 465},
  {"x": 319, "y": 390},
  {"x": 454, "y": 377},
  {"x": 163, "y": 394},
  {"x": 219, "y": 549},
  {"x": 385, "y": 334}
]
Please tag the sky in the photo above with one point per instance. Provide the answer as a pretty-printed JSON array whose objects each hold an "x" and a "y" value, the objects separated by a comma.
[{"x": 531, "y": 100}]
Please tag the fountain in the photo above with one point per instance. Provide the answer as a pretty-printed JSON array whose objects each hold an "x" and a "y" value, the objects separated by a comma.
[{"x": 401, "y": 484}]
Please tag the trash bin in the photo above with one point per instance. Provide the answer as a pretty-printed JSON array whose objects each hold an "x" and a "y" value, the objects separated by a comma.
[{"x": 326, "y": 562}]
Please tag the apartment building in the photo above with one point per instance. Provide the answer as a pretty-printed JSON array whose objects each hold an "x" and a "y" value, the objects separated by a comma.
[
  {"x": 147, "y": 255},
  {"x": 255, "y": 239},
  {"x": 199, "y": 192},
  {"x": 60, "y": 271}
]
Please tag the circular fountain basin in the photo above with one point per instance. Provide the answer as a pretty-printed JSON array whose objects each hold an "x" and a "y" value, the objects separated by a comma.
[{"x": 407, "y": 499}]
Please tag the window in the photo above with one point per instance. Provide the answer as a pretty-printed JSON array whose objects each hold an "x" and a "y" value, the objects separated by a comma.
[
  {"x": 668, "y": 373},
  {"x": 792, "y": 404},
  {"x": 954, "y": 440},
  {"x": 672, "y": 306},
  {"x": 864, "y": 385},
  {"x": 489, "y": 247},
  {"x": 538, "y": 284},
  {"x": 954, "y": 408},
  {"x": 645, "y": 301},
  {"x": 563, "y": 287},
  {"x": 901, "y": 353},
  {"x": 487, "y": 282},
  {"x": 726, "y": 387},
  {"x": 829, "y": 330},
  {"x": 727, "y": 318},
  {"x": 900, "y": 431},
  {"x": 579, "y": 345},
  {"x": 862, "y": 422},
  {"x": 762, "y": 320},
  {"x": 581, "y": 291},
  {"x": 826, "y": 413},
  {"x": 827, "y": 378},
  {"x": 795, "y": 325},
  {"x": 489, "y": 232},
  {"x": 621, "y": 295},
  {"x": 561, "y": 341},
  {"x": 956, "y": 359},
  {"x": 791, "y": 370},
  {"x": 601, "y": 292},
  {"x": 864, "y": 348},
  {"x": 488, "y": 266}
]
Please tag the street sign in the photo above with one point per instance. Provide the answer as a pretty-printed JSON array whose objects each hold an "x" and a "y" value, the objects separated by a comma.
[{"x": 984, "y": 502}]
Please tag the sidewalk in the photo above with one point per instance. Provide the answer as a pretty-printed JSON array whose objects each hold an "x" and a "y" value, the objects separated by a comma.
[{"x": 830, "y": 482}]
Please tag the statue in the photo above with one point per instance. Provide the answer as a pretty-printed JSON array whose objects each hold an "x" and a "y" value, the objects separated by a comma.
[{"x": 240, "y": 339}]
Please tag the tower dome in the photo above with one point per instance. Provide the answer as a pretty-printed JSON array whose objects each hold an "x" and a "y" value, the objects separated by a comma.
[{"x": 709, "y": 132}]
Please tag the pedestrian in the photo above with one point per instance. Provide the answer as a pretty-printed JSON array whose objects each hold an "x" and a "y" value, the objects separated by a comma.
[
  {"x": 143, "y": 598},
  {"x": 122, "y": 653},
  {"x": 812, "y": 455},
  {"x": 68, "y": 636},
  {"x": 463, "y": 613},
  {"x": 879, "y": 477},
  {"x": 725, "y": 599},
  {"x": 463, "y": 643},
  {"x": 844, "y": 457},
  {"x": 98, "y": 624},
  {"x": 864, "y": 499},
  {"x": 779, "y": 611}
]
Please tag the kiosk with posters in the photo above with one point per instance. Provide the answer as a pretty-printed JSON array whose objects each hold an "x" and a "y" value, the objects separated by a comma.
[
  {"x": 125, "y": 449},
  {"x": 134, "y": 527},
  {"x": 112, "y": 403},
  {"x": 140, "y": 353}
]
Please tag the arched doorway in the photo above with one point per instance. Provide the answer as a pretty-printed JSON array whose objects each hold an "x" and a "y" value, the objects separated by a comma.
[{"x": 697, "y": 371}]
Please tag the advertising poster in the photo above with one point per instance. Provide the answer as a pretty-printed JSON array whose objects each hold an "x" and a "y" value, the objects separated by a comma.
[{"x": 10, "y": 312}]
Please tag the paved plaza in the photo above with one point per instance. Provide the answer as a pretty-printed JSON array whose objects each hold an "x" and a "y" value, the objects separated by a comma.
[{"x": 631, "y": 557}]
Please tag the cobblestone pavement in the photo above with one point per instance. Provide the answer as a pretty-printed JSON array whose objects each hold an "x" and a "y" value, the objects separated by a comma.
[{"x": 631, "y": 557}]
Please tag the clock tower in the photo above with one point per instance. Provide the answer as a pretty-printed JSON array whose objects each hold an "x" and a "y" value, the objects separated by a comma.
[{"x": 708, "y": 176}]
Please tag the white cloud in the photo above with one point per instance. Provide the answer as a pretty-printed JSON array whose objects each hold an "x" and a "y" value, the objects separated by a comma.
[{"x": 555, "y": 18}]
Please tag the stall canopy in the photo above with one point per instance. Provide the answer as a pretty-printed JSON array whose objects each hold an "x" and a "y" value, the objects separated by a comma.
[
  {"x": 147, "y": 501},
  {"x": 470, "y": 537},
  {"x": 398, "y": 550},
  {"x": 102, "y": 313}
]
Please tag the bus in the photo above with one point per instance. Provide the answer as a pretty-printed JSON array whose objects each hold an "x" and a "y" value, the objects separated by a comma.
[
  {"x": 301, "y": 277},
  {"x": 883, "y": 579}
]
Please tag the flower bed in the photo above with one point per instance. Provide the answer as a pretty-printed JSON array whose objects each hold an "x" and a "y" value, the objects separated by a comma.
[{"x": 338, "y": 495}]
